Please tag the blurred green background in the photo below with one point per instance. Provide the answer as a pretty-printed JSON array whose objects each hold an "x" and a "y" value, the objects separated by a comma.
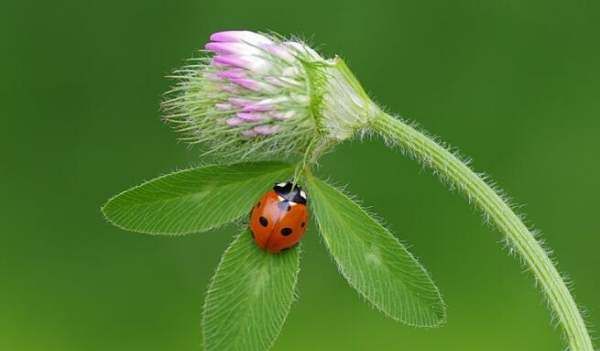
[{"x": 514, "y": 84}]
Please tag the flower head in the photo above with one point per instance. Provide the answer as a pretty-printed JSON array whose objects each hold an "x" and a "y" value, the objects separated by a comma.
[{"x": 257, "y": 94}]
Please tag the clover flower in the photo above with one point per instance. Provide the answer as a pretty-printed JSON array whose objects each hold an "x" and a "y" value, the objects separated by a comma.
[{"x": 256, "y": 95}]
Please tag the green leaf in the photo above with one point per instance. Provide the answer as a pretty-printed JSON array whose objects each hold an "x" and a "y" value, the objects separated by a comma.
[
  {"x": 249, "y": 297},
  {"x": 194, "y": 200},
  {"x": 373, "y": 261}
]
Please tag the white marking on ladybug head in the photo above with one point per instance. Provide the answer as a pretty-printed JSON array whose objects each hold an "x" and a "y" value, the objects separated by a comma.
[
  {"x": 281, "y": 185},
  {"x": 303, "y": 194},
  {"x": 280, "y": 198}
]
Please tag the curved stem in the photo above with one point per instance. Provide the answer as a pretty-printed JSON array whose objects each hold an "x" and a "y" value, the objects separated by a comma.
[{"x": 449, "y": 167}]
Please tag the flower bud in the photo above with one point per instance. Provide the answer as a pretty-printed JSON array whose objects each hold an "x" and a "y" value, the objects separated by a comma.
[{"x": 257, "y": 95}]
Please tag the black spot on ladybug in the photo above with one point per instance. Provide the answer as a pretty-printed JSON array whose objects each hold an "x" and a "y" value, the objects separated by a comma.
[
  {"x": 286, "y": 231},
  {"x": 289, "y": 208},
  {"x": 263, "y": 221},
  {"x": 302, "y": 224}
]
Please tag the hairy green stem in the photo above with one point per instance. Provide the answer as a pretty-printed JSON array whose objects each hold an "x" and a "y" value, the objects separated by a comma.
[{"x": 450, "y": 168}]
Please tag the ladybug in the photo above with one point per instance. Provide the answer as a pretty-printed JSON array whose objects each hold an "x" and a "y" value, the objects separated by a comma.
[{"x": 278, "y": 221}]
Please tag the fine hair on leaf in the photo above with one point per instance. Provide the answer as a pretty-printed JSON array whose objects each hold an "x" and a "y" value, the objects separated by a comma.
[{"x": 373, "y": 261}]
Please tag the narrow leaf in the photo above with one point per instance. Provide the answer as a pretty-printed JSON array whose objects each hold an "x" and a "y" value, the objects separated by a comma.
[
  {"x": 373, "y": 261},
  {"x": 250, "y": 297},
  {"x": 194, "y": 200}
]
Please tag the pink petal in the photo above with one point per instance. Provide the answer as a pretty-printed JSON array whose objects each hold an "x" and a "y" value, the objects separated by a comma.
[
  {"x": 240, "y": 36},
  {"x": 264, "y": 105},
  {"x": 252, "y": 63},
  {"x": 230, "y": 60},
  {"x": 266, "y": 130},
  {"x": 232, "y": 122},
  {"x": 257, "y": 107},
  {"x": 239, "y": 102},
  {"x": 250, "y": 116},
  {"x": 280, "y": 51},
  {"x": 246, "y": 83},
  {"x": 232, "y": 49},
  {"x": 248, "y": 133},
  {"x": 232, "y": 73},
  {"x": 282, "y": 116}
]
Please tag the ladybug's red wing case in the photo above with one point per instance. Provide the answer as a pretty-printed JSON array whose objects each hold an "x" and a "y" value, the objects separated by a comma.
[
  {"x": 278, "y": 221},
  {"x": 263, "y": 218},
  {"x": 289, "y": 230}
]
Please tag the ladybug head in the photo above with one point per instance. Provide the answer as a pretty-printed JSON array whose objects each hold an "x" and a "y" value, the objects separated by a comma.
[{"x": 291, "y": 192}]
